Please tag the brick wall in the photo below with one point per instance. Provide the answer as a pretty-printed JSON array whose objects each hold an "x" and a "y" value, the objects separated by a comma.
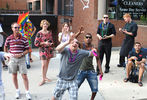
[
  {"x": 142, "y": 35},
  {"x": 14, "y": 4},
  {"x": 87, "y": 19}
]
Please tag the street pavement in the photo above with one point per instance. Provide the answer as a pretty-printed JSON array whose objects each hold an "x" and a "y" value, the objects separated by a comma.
[{"x": 111, "y": 87}]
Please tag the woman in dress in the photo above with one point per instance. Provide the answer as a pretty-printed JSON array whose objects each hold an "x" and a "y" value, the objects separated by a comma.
[{"x": 44, "y": 41}]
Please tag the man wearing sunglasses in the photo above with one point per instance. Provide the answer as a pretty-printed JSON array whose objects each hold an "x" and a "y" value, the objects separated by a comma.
[
  {"x": 18, "y": 47},
  {"x": 87, "y": 70},
  {"x": 105, "y": 33},
  {"x": 71, "y": 59}
]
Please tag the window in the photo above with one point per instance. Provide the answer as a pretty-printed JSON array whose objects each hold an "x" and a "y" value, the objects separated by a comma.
[
  {"x": 37, "y": 5},
  {"x": 30, "y": 6},
  {"x": 66, "y": 7},
  {"x": 111, "y": 8},
  {"x": 117, "y": 8}
]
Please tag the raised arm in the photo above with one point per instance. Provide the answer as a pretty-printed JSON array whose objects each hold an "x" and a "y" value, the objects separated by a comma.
[{"x": 61, "y": 46}]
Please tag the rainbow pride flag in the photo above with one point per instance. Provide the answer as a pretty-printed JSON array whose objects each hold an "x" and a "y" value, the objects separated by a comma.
[{"x": 23, "y": 18}]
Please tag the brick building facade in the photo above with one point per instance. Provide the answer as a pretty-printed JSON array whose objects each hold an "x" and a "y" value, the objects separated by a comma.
[{"x": 73, "y": 11}]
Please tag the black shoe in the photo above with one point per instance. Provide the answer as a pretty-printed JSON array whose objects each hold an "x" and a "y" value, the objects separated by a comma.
[
  {"x": 28, "y": 66},
  {"x": 106, "y": 70},
  {"x": 5, "y": 67},
  {"x": 119, "y": 65}
]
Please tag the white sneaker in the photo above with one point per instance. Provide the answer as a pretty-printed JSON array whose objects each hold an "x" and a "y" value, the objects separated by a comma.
[
  {"x": 17, "y": 95},
  {"x": 28, "y": 96}
]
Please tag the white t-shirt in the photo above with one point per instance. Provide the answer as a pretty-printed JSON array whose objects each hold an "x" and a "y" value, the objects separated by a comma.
[
  {"x": 1, "y": 30},
  {"x": 1, "y": 40},
  {"x": 64, "y": 37}
]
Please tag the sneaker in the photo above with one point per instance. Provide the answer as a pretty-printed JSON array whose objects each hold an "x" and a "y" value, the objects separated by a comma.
[
  {"x": 28, "y": 96},
  {"x": 5, "y": 67},
  {"x": 28, "y": 66},
  {"x": 17, "y": 95}
]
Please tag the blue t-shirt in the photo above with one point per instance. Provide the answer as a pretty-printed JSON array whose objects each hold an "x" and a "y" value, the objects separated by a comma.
[
  {"x": 1, "y": 59},
  {"x": 69, "y": 69}
]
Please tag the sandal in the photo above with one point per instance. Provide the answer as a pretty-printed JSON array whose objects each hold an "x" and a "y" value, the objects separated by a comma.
[
  {"x": 140, "y": 83},
  {"x": 31, "y": 60},
  {"x": 41, "y": 83},
  {"x": 47, "y": 80},
  {"x": 126, "y": 79}
]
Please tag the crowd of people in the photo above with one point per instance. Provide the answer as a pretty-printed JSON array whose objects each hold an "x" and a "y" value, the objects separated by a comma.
[{"x": 76, "y": 62}]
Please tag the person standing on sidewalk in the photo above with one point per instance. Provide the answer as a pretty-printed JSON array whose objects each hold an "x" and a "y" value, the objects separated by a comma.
[
  {"x": 44, "y": 41},
  {"x": 71, "y": 59},
  {"x": 105, "y": 33},
  {"x": 87, "y": 70},
  {"x": 130, "y": 31},
  {"x": 5, "y": 67},
  {"x": 2, "y": 93},
  {"x": 18, "y": 47}
]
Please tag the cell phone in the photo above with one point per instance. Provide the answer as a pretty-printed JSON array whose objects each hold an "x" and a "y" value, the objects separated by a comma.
[
  {"x": 50, "y": 41},
  {"x": 123, "y": 29}
]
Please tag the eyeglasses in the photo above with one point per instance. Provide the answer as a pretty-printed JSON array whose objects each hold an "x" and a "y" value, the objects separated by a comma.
[
  {"x": 16, "y": 27},
  {"x": 88, "y": 37},
  {"x": 105, "y": 17}
]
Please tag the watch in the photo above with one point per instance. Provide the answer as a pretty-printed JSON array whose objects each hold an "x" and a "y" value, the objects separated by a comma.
[{"x": 22, "y": 54}]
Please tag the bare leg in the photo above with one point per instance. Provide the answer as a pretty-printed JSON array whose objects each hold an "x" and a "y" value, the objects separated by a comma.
[
  {"x": 141, "y": 71},
  {"x": 129, "y": 67},
  {"x": 47, "y": 63},
  {"x": 93, "y": 95},
  {"x": 53, "y": 98},
  {"x": 15, "y": 81},
  {"x": 26, "y": 82}
]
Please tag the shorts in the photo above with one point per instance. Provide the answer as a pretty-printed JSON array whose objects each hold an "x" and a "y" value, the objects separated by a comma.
[
  {"x": 91, "y": 77},
  {"x": 17, "y": 64},
  {"x": 62, "y": 86}
]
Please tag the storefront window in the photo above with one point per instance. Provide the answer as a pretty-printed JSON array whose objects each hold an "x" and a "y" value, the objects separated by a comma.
[
  {"x": 112, "y": 7},
  {"x": 65, "y": 7},
  {"x": 117, "y": 8}
]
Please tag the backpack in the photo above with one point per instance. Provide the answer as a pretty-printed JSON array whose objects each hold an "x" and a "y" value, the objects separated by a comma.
[{"x": 133, "y": 77}]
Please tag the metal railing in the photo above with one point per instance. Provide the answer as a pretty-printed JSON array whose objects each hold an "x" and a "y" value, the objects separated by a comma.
[{"x": 19, "y": 11}]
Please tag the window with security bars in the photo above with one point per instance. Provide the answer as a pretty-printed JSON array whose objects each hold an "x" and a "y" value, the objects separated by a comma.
[{"x": 66, "y": 7}]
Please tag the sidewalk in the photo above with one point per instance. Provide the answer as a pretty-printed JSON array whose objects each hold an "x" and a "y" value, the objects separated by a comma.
[{"x": 111, "y": 87}]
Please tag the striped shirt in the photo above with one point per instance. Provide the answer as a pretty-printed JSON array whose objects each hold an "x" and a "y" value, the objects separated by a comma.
[{"x": 18, "y": 45}]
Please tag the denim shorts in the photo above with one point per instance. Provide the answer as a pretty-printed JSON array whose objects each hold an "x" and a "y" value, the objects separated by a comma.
[{"x": 91, "y": 77}]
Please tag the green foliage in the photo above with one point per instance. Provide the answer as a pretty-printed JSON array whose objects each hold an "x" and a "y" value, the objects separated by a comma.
[
  {"x": 7, "y": 6},
  {"x": 143, "y": 18}
]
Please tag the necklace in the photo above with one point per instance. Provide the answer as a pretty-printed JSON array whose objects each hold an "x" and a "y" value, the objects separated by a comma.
[
  {"x": 105, "y": 28},
  {"x": 72, "y": 58}
]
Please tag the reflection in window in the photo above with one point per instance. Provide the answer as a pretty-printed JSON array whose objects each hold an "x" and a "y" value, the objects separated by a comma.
[
  {"x": 37, "y": 5},
  {"x": 66, "y": 7},
  {"x": 30, "y": 6},
  {"x": 111, "y": 8}
]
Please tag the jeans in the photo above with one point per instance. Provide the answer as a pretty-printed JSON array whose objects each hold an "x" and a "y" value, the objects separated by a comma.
[{"x": 91, "y": 77}]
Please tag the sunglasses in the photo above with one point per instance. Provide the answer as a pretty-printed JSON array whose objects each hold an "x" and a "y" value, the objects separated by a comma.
[
  {"x": 105, "y": 17},
  {"x": 88, "y": 37},
  {"x": 16, "y": 27}
]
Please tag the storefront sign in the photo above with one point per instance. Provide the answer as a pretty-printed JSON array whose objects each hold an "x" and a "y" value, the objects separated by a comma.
[{"x": 135, "y": 7}]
